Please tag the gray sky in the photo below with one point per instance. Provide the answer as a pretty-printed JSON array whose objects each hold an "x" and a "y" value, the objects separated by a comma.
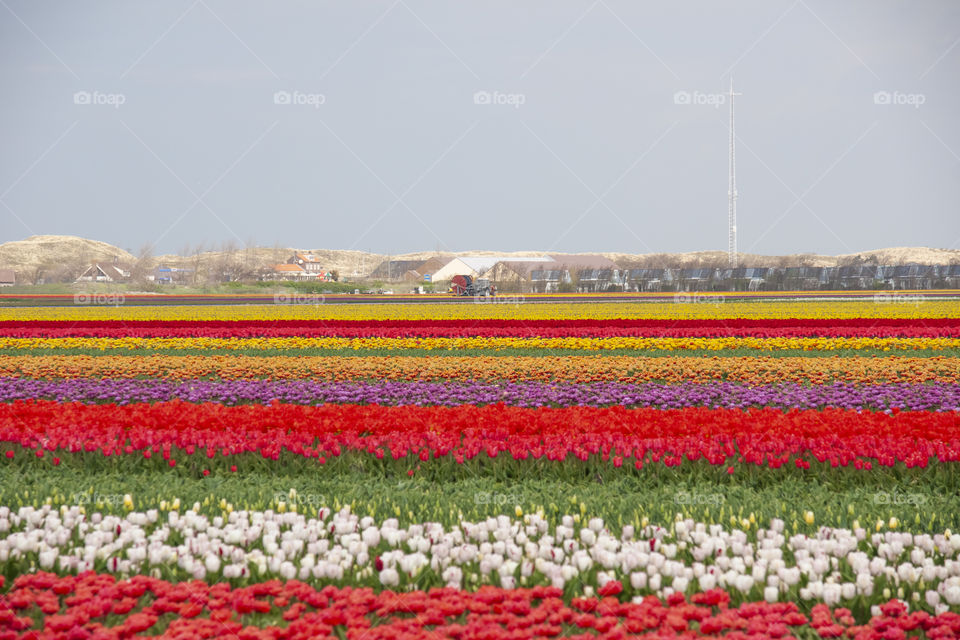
[{"x": 359, "y": 124}]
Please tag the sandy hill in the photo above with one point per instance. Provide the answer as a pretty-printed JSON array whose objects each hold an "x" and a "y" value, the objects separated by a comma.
[
  {"x": 63, "y": 255},
  {"x": 905, "y": 255},
  {"x": 54, "y": 252}
]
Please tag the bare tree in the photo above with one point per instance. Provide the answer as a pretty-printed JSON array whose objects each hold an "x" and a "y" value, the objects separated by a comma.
[
  {"x": 222, "y": 264},
  {"x": 278, "y": 254},
  {"x": 36, "y": 274},
  {"x": 196, "y": 262},
  {"x": 251, "y": 263},
  {"x": 142, "y": 265}
]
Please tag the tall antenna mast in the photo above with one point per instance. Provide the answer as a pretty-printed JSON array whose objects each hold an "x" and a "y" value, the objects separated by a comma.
[{"x": 732, "y": 189}]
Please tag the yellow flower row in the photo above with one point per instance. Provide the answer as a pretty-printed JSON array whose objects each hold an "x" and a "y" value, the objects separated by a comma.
[
  {"x": 704, "y": 309},
  {"x": 428, "y": 344},
  {"x": 752, "y": 370}
]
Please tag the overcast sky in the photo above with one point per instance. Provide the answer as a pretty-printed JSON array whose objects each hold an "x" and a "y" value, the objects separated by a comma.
[{"x": 401, "y": 125}]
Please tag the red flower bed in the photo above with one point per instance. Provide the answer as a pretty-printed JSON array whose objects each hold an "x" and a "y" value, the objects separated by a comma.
[
  {"x": 771, "y": 328},
  {"x": 77, "y": 607},
  {"x": 765, "y": 437}
]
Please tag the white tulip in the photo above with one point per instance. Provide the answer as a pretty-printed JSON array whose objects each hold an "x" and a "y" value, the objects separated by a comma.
[
  {"x": 588, "y": 537},
  {"x": 743, "y": 583},
  {"x": 952, "y": 594}
]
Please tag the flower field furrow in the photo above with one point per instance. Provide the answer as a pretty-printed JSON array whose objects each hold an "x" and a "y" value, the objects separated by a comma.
[
  {"x": 574, "y": 369},
  {"x": 293, "y": 610},
  {"x": 884, "y": 397},
  {"x": 622, "y": 437},
  {"x": 885, "y": 307},
  {"x": 576, "y": 556},
  {"x": 496, "y": 343},
  {"x": 530, "y": 328}
]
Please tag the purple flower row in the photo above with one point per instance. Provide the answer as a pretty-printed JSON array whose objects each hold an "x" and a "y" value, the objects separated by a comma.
[{"x": 881, "y": 397}]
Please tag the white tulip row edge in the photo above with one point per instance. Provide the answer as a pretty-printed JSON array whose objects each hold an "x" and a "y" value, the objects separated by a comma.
[{"x": 836, "y": 566}]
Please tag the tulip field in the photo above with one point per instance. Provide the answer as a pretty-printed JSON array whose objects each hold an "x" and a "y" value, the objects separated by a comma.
[{"x": 731, "y": 468}]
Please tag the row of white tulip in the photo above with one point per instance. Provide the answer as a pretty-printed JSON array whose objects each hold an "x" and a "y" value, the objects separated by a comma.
[{"x": 835, "y": 566}]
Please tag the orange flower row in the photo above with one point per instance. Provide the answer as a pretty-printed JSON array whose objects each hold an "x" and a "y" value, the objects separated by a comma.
[{"x": 747, "y": 370}]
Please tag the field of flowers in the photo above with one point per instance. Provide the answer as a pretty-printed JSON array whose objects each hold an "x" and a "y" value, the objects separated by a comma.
[{"x": 758, "y": 468}]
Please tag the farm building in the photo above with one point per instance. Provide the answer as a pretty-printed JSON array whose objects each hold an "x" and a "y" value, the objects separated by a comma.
[
  {"x": 745, "y": 278},
  {"x": 648, "y": 279},
  {"x": 99, "y": 272},
  {"x": 951, "y": 275},
  {"x": 698, "y": 279},
  {"x": 584, "y": 272},
  {"x": 598, "y": 280},
  {"x": 912, "y": 276},
  {"x": 805, "y": 278},
  {"x": 548, "y": 280},
  {"x": 858, "y": 277},
  {"x": 407, "y": 270},
  {"x": 516, "y": 271},
  {"x": 287, "y": 271},
  {"x": 309, "y": 263},
  {"x": 480, "y": 266}
]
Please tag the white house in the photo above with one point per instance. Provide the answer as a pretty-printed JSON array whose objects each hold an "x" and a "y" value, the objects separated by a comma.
[
  {"x": 100, "y": 272},
  {"x": 477, "y": 266}
]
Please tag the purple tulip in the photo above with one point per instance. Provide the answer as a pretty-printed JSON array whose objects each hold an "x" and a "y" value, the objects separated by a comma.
[{"x": 881, "y": 397}]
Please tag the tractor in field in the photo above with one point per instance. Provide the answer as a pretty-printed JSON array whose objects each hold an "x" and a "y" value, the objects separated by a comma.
[{"x": 469, "y": 286}]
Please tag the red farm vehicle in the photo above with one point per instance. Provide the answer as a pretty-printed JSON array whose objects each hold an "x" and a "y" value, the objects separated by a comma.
[{"x": 470, "y": 286}]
